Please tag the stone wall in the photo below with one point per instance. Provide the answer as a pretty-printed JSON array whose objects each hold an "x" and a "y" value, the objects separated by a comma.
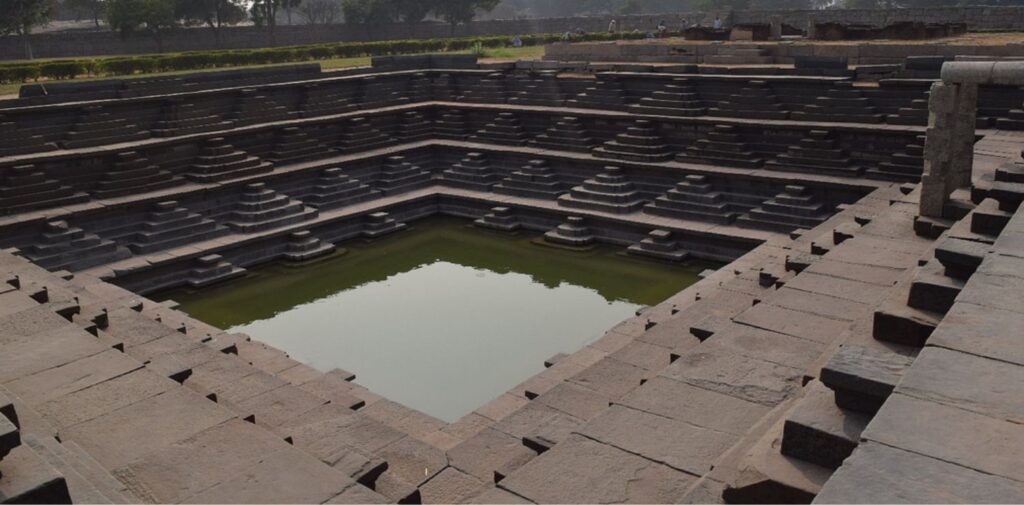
[{"x": 77, "y": 44}]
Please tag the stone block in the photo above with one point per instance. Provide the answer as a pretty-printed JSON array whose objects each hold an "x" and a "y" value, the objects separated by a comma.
[
  {"x": 818, "y": 431},
  {"x": 862, "y": 377}
]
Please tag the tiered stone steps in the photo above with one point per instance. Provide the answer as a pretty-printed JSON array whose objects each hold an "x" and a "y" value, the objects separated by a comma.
[
  {"x": 914, "y": 115},
  {"x": 61, "y": 246},
  {"x": 323, "y": 99},
  {"x": 723, "y": 145},
  {"x": 754, "y": 101},
  {"x": 659, "y": 244},
  {"x": 489, "y": 89},
  {"x": 30, "y": 474},
  {"x": 472, "y": 172},
  {"x": 260, "y": 208},
  {"x": 253, "y": 107},
  {"x": 219, "y": 161},
  {"x": 171, "y": 225},
  {"x": 604, "y": 93},
  {"x": 379, "y": 224},
  {"x": 303, "y": 246},
  {"x": 693, "y": 198},
  {"x": 791, "y": 209},
  {"x": 536, "y": 179},
  {"x": 133, "y": 174},
  {"x": 295, "y": 146},
  {"x": 444, "y": 87},
  {"x": 499, "y": 218},
  {"x": 842, "y": 103},
  {"x": 504, "y": 129},
  {"x": 95, "y": 126},
  {"x": 335, "y": 189},
  {"x": 451, "y": 125},
  {"x": 414, "y": 127},
  {"x": 399, "y": 176},
  {"x": 567, "y": 134},
  {"x": 27, "y": 187},
  {"x": 541, "y": 90},
  {"x": 361, "y": 135},
  {"x": 179, "y": 117},
  {"x": 903, "y": 166},
  {"x": 420, "y": 88},
  {"x": 609, "y": 191},
  {"x": 212, "y": 269},
  {"x": 640, "y": 142},
  {"x": 1013, "y": 121},
  {"x": 573, "y": 233},
  {"x": 18, "y": 140},
  {"x": 678, "y": 98},
  {"x": 817, "y": 153},
  {"x": 740, "y": 55},
  {"x": 382, "y": 92}
]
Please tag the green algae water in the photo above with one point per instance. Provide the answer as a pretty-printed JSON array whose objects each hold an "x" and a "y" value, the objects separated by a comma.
[{"x": 442, "y": 317}]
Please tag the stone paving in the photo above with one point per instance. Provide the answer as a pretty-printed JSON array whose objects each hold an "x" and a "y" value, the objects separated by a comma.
[{"x": 850, "y": 350}]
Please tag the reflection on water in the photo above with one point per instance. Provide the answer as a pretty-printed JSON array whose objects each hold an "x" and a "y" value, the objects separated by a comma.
[{"x": 443, "y": 317}]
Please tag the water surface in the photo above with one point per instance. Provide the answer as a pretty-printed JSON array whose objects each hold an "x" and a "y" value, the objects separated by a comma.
[{"x": 442, "y": 317}]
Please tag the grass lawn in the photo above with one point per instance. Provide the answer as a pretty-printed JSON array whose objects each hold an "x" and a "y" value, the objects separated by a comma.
[{"x": 331, "y": 64}]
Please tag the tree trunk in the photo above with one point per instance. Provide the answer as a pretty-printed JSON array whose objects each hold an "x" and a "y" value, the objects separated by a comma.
[
  {"x": 27, "y": 41},
  {"x": 288, "y": 13}
]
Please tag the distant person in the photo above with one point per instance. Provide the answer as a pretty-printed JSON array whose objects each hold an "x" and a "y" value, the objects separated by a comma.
[
  {"x": 718, "y": 23},
  {"x": 517, "y": 42},
  {"x": 662, "y": 29},
  {"x": 612, "y": 27},
  {"x": 567, "y": 36}
]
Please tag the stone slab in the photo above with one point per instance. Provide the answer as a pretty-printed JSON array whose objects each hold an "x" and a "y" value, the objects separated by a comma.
[
  {"x": 965, "y": 438},
  {"x": 985, "y": 331},
  {"x": 680, "y": 445},
  {"x": 581, "y": 470},
  {"x": 611, "y": 377},
  {"x": 71, "y": 377},
  {"x": 107, "y": 396},
  {"x": 488, "y": 451},
  {"x": 694, "y": 405},
  {"x": 721, "y": 370},
  {"x": 450, "y": 486},
  {"x": 577, "y": 401},
  {"x": 150, "y": 424},
  {"x": 877, "y": 473}
]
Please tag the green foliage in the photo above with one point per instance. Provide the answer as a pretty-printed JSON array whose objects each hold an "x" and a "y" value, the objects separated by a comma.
[
  {"x": 198, "y": 60},
  {"x": 462, "y": 11},
  {"x": 131, "y": 16},
  {"x": 20, "y": 16}
]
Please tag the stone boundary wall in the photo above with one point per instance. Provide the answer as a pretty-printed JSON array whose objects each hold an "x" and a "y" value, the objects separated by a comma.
[
  {"x": 79, "y": 44},
  {"x": 783, "y": 53}
]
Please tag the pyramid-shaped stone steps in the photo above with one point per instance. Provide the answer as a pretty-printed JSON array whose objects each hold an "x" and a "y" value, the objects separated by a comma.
[
  {"x": 27, "y": 187},
  {"x": 504, "y": 129},
  {"x": 133, "y": 174},
  {"x": 534, "y": 180},
  {"x": 219, "y": 161},
  {"x": 261, "y": 208},
  {"x": 96, "y": 127},
  {"x": 179, "y": 117},
  {"x": 659, "y": 244},
  {"x": 400, "y": 176},
  {"x": 61, "y": 246},
  {"x": 791, "y": 209},
  {"x": 609, "y": 191},
  {"x": 693, "y": 198},
  {"x": 295, "y": 146},
  {"x": 472, "y": 172},
  {"x": 334, "y": 189},
  {"x": 640, "y": 142},
  {"x": 170, "y": 225},
  {"x": 567, "y": 134}
]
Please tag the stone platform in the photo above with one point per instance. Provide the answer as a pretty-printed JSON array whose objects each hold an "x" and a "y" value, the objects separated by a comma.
[{"x": 847, "y": 351}]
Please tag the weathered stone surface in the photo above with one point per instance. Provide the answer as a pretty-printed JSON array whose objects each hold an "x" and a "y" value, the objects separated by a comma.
[
  {"x": 539, "y": 423},
  {"x": 581, "y": 470},
  {"x": 877, "y": 473},
  {"x": 610, "y": 377},
  {"x": 107, "y": 396},
  {"x": 413, "y": 461},
  {"x": 721, "y": 370},
  {"x": 966, "y": 381},
  {"x": 818, "y": 431},
  {"x": 971, "y": 440},
  {"x": 984, "y": 331},
  {"x": 205, "y": 459},
  {"x": 863, "y": 377},
  {"x": 151, "y": 424},
  {"x": 790, "y": 322},
  {"x": 497, "y": 495},
  {"x": 768, "y": 346},
  {"x": 488, "y": 451},
  {"x": 680, "y": 445},
  {"x": 73, "y": 376},
  {"x": 29, "y": 479},
  {"x": 577, "y": 401},
  {"x": 694, "y": 405},
  {"x": 450, "y": 486}
]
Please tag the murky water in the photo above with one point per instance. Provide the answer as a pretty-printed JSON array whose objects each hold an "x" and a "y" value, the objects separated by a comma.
[{"x": 442, "y": 317}]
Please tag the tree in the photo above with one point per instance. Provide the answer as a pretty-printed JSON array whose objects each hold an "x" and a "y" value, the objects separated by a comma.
[
  {"x": 462, "y": 11},
  {"x": 412, "y": 11},
  {"x": 19, "y": 17},
  {"x": 368, "y": 11},
  {"x": 155, "y": 17},
  {"x": 213, "y": 13},
  {"x": 322, "y": 12},
  {"x": 92, "y": 8}
]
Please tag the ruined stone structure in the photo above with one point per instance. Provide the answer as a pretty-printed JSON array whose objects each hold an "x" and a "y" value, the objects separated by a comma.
[{"x": 862, "y": 343}]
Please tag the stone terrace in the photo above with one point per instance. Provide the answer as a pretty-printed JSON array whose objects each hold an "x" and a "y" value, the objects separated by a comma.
[{"x": 851, "y": 318}]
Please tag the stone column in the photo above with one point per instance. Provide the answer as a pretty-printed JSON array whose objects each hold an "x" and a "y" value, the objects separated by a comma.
[
  {"x": 811, "y": 30},
  {"x": 949, "y": 144},
  {"x": 776, "y": 27}
]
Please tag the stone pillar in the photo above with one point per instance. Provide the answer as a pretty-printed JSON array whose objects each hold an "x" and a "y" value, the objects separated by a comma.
[
  {"x": 949, "y": 144},
  {"x": 811, "y": 30},
  {"x": 776, "y": 27}
]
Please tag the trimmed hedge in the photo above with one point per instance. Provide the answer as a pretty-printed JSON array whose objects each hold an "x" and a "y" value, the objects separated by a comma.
[{"x": 198, "y": 60}]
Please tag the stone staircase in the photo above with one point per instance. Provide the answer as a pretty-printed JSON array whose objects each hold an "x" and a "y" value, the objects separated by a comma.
[
  {"x": 609, "y": 191},
  {"x": 738, "y": 54},
  {"x": 536, "y": 179}
]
